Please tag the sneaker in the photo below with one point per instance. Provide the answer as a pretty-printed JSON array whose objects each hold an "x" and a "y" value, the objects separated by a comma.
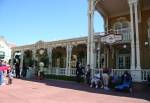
[
  {"x": 102, "y": 86},
  {"x": 96, "y": 86},
  {"x": 91, "y": 86}
]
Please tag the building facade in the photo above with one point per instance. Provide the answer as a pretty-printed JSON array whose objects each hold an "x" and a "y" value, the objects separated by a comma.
[
  {"x": 125, "y": 44},
  {"x": 61, "y": 55},
  {"x": 5, "y": 49},
  {"x": 129, "y": 18}
]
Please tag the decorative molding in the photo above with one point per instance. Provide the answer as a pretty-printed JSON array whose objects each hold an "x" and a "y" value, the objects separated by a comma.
[
  {"x": 121, "y": 18},
  {"x": 132, "y": 1}
]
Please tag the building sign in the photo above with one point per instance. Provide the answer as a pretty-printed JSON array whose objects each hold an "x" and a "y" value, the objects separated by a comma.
[{"x": 111, "y": 38}]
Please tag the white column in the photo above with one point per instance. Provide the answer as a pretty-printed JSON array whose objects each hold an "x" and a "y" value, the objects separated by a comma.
[
  {"x": 132, "y": 37},
  {"x": 21, "y": 62},
  {"x": 137, "y": 74},
  {"x": 90, "y": 47},
  {"x": 138, "y": 65},
  {"x": 33, "y": 56},
  {"x": 89, "y": 32},
  {"x": 49, "y": 52},
  {"x": 69, "y": 57},
  {"x": 67, "y": 54}
]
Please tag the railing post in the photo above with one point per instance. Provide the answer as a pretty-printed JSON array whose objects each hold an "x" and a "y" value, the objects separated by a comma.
[
  {"x": 57, "y": 72},
  {"x": 68, "y": 72}
]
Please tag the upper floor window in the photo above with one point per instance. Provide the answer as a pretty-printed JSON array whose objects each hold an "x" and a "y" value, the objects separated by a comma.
[{"x": 121, "y": 26}]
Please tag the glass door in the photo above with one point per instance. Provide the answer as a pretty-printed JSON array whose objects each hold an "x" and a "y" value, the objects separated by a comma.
[{"x": 123, "y": 61}]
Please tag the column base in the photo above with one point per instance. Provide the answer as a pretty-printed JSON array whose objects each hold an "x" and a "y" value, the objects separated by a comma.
[
  {"x": 138, "y": 68},
  {"x": 136, "y": 75}
]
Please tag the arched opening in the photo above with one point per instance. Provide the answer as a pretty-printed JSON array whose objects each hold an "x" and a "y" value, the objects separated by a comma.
[
  {"x": 42, "y": 56},
  {"x": 59, "y": 57},
  {"x": 27, "y": 59},
  {"x": 122, "y": 26},
  {"x": 79, "y": 54}
]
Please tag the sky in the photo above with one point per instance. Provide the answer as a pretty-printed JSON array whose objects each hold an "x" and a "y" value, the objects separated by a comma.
[{"x": 25, "y": 22}]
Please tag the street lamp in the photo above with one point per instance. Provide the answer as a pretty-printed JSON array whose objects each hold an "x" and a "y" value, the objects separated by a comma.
[
  {"x": 125, "y": 46},
  {"x": 146, "y": 43}
]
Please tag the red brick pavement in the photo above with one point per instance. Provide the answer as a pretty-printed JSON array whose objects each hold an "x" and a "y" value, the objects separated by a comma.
[{"x": 52, "y": 91}]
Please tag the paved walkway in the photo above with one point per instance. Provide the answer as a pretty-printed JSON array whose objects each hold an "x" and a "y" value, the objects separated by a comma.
[{"x": 52, "y": 91}]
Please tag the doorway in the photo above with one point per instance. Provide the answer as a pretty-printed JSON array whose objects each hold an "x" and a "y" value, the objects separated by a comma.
[{"x": 123, "y": 61}]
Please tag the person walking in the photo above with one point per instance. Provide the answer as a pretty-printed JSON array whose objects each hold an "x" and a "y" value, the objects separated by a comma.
[
  {"x": 79, "y": 72},
  {"x": 17, "y": 69},
  {"x": 10, "y": 76},
  {"x": 88, "y": 75}
]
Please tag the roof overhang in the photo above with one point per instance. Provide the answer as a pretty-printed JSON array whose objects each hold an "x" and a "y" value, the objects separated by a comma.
[{"x": 112, "y": 8}]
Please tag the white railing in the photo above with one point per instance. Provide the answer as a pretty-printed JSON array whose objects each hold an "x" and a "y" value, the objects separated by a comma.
[
  {"x": 145, "y": 73},
  {"x": 61, "y": 71},
  {"x": 125, "y": 32},
  {"x": 117, "y": 72}
]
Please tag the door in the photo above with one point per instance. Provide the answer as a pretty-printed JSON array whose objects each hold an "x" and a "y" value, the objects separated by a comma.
[{"x": 123, "y": 61}]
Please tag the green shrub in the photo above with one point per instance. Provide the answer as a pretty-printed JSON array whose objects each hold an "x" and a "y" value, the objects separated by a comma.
[{"x": 62, "y": 77}]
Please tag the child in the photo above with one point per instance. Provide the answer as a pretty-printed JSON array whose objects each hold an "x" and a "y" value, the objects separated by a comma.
[{"x": 10, "y": 76}]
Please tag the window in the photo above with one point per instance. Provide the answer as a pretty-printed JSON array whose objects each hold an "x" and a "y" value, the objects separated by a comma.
[
  {"x": 122, "y": 26},
  {"x": 2, "y": 54}
]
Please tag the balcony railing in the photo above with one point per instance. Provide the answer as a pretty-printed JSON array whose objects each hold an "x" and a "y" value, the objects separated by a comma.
[
  {"x": 118, "y": 72},
  {"x": 125, "y": 32}
]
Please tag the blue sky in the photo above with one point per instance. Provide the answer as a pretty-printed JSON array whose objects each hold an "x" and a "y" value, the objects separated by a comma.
[{"x": 28, "y": 21}]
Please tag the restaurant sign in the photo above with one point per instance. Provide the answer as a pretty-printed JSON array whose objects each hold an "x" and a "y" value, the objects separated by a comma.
[{"x": 111, "y": 38}]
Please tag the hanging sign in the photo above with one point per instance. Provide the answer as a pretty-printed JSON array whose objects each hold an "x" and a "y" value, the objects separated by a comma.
[{"x": 111, "y": 38}]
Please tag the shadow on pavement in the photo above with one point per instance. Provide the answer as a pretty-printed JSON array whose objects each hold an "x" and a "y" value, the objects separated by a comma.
[{"x": 140, "y": 94}]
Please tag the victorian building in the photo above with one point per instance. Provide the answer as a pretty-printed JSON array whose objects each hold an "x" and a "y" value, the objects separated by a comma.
[
  {"x": 131, "y": 19},
  {"x": 125, "y": 44},
  {"x": 61, "y": 55}
]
